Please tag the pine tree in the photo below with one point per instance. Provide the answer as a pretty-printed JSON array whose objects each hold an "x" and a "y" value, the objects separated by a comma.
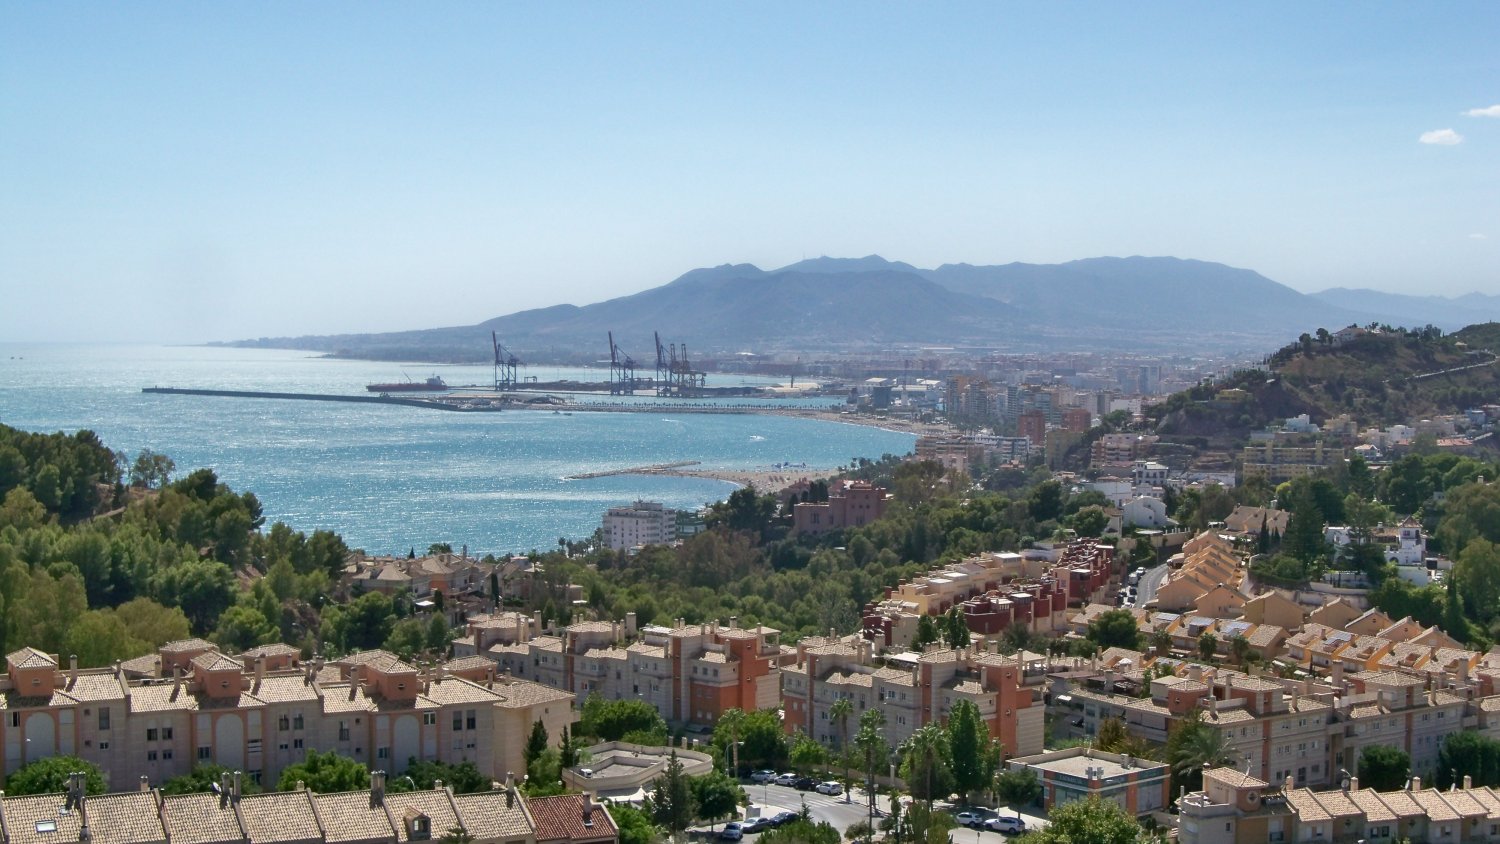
[{"x": 536, "y": 743}]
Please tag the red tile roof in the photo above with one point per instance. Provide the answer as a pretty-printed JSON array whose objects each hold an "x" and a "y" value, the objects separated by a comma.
[{"x": 561, "y": 818}]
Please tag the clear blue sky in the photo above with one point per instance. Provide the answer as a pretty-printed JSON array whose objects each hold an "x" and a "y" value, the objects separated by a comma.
[{"x": 195, "y": 171}]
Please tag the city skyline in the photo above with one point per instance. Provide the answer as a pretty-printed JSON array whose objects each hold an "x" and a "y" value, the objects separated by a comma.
[{"x": 191, "y": 174}]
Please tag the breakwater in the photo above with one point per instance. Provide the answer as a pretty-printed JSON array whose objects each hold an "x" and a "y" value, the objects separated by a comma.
[{"x": 466, "y": 405}]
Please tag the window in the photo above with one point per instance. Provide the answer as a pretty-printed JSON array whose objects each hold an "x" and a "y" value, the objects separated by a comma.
[
  {"x": 15, "y": 719},
  {"x": 166, "y": 754},
  {"x": 283, "y": 746},
  {"x": 297, "y": 744},
  {"x": 469, "y": 719},
  {"x": 382, "y": 753},
  {"x": 151, "y": 733},
  {"x": 297, "y": 721},
  {"x": 103, "y": 745},
  {"x": 343, "y": 731},
  {"x": 166, "y": 733},
  {"x": 205, "y": 753},
  {"x": 283, "y": 724},
  {"x": 255, "y": 776},
  {"x": 150, "y": 756},
  {"x": 253, "y": 745},
  {"x": 429, "y": 719},
  {"x": 103, "y": 717},
  {"x": 458, "y": 720}
]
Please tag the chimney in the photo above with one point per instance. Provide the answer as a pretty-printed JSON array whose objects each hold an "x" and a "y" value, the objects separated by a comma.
[
  {"x": 145, "y": 783},
  {"x": 176, "y": 682},
  {"x": 238, "y": 782},
  {"x": 225, "y": 785},
  {"x": 1416, "y": 784},
  {"x": 301, "y": 786},
  {"x": 1289, "y": 783},
  {"x": 78, "y": 799},
  {"x": 588, "y": 810},
  {"x": 630, "y": 623},
  {"x": 510, "y": 790},
  {"x": 437, "y": 785},
  {"x": 734, "y": 622},
  {"x": 377, "y": 789},
  {"x": 1468, "y": 782},
  {"x": 1354, "y": 783},
  {"x": 72, "y": 670},
  {"x": 260, "y": 673}
]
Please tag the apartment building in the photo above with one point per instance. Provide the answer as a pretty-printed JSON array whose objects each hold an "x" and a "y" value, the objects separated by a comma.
[
  {"x": 850, "y": 504},
  {"x": 1236, "y": 808},
  {"x": 642, "y": 523},
  {"x": 913, "y": 689},
  {"x": 1139, "y": 786},
  {"x": 260, "y": 713},
  {"x": 146, "y": 816},
  {"x": 1282, "y": 459},
  {"x": 691, "y": 673}
]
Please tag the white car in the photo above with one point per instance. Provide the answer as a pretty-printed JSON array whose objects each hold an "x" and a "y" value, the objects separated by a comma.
[
  {"x": 786, "y": 779},
  {"x": 762, "y": 776},
  {"x": 1006, "y": 825},
  {"x": 830, "y": 788}
]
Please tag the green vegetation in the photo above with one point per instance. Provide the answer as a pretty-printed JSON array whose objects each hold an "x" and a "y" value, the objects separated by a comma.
[
  {"x": 1193, "y": 746},
  {"x": 325, "y": 773},
  {"x": 50, "y": 776},
  {"x": 1468, "y": 753},
  {"x": 622, "y": 720},
  {"x": 1115, "y": 629},
  {"x": 1018, "y": 788},
  {"x": 1383, "y": 767},
  {"x": 1091, "y": 821},
  {"x": 202, "y": 779}
]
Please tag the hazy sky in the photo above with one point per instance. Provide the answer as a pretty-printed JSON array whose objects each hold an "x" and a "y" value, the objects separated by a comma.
[{"x": 194, "y": 171}]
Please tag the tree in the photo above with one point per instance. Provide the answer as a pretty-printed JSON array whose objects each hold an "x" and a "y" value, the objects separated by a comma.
[
  {"x": 325, "y": 773},
  {"x": 1091, "y": 821},
  {"x": 972, "y": 758},
  {"x": 1192, "y": 747},
  {"x": 840, "y": 712},
  {"x": 1383, "y": 767},
  {"x": 1240, "y": 647},
  {"x": 243, "y": 627},
  {"x": 202, "y": 779},
  {"x": 873, "y": 749},
  {"x": 806, "y": 753},
  {"x": 1208, "y": 645},
  {"x": 1046, "y": 501},
  {"x": 924, "y": 764},
  {"x": 1304, "y": 530},
  {"x": 462, "y": 777},
  {"x": 49, "y": 775},
  {"x": 1468, "y": 753},
  {"x": 567, "y": 750},
  {"x": 1477, "y": 575},
  {"x": 956, "y": 629},
  {"x": 151, "y": 470},
  {"x": 716, "y": 795},
  {"x": 1018, "y": 788},
  {"x": 612, "y": 720},
  {"x": 1112, "y": 735},
  {"x": 926, "y": 634},
  {"x": 634, "y": 825},
  {"x": 99, "y": 637},
  {"x": 732, "y": 722},
  {"x": 1090, "y": 521},
  {"x": 670, "y": 800},
  {"x": 1115, "y": 629},
  {"x": 536, "y": 743}
]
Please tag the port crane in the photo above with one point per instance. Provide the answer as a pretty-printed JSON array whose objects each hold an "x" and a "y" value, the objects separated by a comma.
[
  {"x": 675, "y": 375},
  {"x": 505, "y": 365},
  {"x": 621, "y": 370}
]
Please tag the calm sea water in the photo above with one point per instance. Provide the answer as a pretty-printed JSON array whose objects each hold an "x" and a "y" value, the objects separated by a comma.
[{"x": 389, "y": 478}]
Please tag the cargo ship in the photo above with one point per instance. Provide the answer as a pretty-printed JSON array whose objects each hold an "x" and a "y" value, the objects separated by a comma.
[{"x": 432, "y": 384}]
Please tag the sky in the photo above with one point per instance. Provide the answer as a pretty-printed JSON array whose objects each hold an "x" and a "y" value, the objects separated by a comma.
[{"x": 185, "y": 172}]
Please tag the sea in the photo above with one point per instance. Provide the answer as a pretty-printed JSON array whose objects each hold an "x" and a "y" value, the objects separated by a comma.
[{"x": 391, "y": 478}]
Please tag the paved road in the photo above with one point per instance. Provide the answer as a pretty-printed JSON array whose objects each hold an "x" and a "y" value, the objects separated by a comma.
[
  {"x": 1150, "y": 582},
  {"x": 770, "y": 799}
]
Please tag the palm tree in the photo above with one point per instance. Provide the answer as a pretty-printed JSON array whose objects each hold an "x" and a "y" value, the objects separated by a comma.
[
  {"x": 733, "y": 720},
  {"x": 1161, "y": 640},
  {"x": 873, "y": 749},
  {"x": 1208, "y": 644},
  {"x": 1240, "y": 647},
  {"x": 1203, "y": 747},
  {"x": 923, "y": 754},
  {"x": 840, "y": 712}
]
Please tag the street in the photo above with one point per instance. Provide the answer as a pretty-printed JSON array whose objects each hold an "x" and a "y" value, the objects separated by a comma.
[
  {"x": 1150, "y": 582},
  {"x": 770, "y": 799}
]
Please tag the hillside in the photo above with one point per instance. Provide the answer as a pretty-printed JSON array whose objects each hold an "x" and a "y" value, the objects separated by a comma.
[
  {"x": 1446, "y": 313},
  {"x": 1379, "y": 379},
  {"x": 843, "y": 305}
]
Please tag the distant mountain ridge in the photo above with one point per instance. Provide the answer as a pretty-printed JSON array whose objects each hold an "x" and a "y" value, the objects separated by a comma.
[
  {"x": 863, "y": 304},
  {"x": 1447, "y": 313}
]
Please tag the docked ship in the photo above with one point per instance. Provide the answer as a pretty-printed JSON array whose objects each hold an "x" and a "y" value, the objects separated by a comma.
[{"x": 432, "y": 384}]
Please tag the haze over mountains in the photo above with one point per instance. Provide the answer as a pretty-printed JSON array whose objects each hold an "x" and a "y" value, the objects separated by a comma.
[{"x": 862, "y": 304}]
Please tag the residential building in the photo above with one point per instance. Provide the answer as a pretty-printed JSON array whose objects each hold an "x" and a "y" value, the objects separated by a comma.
[
  {"x": 1139, "y": 786},
  {"x": 849, "y": 504},
  {"x": 691, "y": 673},
  {"x": 263, "y": 712},
  {"x": 913, "y": 689},
  {"x": 642, "y": 523},
  {"x": 147, "y": 816}
]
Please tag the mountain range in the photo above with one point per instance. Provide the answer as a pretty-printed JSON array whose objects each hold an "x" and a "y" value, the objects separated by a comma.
[{"x": 866, "y": 304}]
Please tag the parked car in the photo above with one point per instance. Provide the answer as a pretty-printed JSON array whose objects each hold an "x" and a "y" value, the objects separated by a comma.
[
  {"x": 973, "y": 817},
  {"x": 1005, "y": 824},
  {"x": 783, "y": 818},
  {"x": 732, "y": 831},
  {"x": 753, "y": 825},
  {"x": 787, "y": 779},
  {"x": 830, "y": 788},
  {"x": 805, "y": 784},
  {"x": 762, "y": 776}
]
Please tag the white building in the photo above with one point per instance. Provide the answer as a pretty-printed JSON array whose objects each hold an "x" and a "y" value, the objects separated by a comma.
[{"x": 642, "y": 523}]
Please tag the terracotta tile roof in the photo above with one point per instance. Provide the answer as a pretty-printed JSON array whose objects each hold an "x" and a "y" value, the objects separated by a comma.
[
  {"x": 127, "y": 818},
  {"x": 523, "y": 693},
  {"x": 30, "y": 658},
  {"x": 285, "y": 688},
  {"x": 149, "y": 665},
  {"x": 434, "y": 804},
  {"x": 277, "y": 649},
  {"x": 161, "y": 698},
  {"x": 182, "y": 645},
  {"x": 364, "y": 657},
  {"x": 1308, "y": 809},
  {"x": 343, "y": 697},
  {"x": 215, "y": 661},
  {"x": 1236, "y": 779},
  {"x": 469, "y": 663},
  {"x": 451, "y": 690},
  {"x": 198, "y": 819},
  {"x": 349, "y": 817},
  {"x": 561, "y": 818},
  {"x": 280, "y": 816},
  {"x": 1434, "y": 806},
  {"x": 1374, "y": 809},
  {"x": 488, "y": 815},
  {"x": 97, "y": 686}
]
